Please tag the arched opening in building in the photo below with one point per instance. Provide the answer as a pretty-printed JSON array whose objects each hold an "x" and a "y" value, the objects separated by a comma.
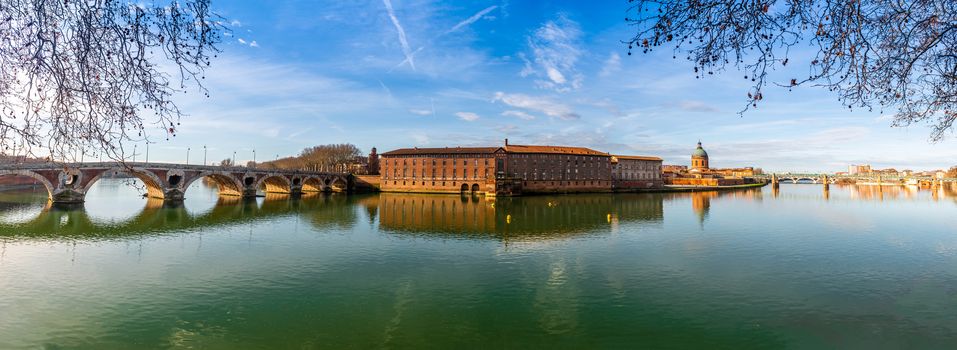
[
  {"x": 464, "y": 188},
  {"x": 475, "y": 188}
]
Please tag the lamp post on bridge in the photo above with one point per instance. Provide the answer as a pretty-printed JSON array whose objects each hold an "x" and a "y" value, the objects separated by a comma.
[
  {"x": 234, "y": 158},
  {"x": 148, "y": 151},
  {"x": 254, "y": 157},
  {"x": 204, "y": 155},
  {"x": 134, "y": 153},
  {"x": 187, "y": 155}
]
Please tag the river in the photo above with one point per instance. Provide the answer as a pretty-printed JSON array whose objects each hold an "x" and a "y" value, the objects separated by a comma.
[{"x": 852, "y": 267}]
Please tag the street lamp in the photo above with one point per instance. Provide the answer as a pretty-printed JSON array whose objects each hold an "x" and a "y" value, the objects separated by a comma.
[
  {"x": 134, "y": 153},
  {"x": 148, "y": 152},
  {"x": 204, "y": 155},
  {"x": 234, "y": 158},
  {"x": 187, "y": 155}
]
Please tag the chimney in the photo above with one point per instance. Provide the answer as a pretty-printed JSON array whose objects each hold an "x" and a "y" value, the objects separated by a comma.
[{"x": 506, "y": 142}]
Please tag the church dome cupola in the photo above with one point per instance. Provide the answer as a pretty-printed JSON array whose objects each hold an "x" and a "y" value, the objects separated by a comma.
[{"x": 699, "y": 158}]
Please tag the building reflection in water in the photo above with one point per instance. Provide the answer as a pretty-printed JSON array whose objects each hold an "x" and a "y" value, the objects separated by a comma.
[{"x": 531, "y": 217}]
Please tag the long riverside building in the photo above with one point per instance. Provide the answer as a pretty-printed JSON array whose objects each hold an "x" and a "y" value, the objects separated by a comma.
[{"x": 511, "y": 170}]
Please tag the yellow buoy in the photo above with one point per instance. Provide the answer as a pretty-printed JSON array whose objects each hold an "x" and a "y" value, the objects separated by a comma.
[{"x": 508, "y": 219}]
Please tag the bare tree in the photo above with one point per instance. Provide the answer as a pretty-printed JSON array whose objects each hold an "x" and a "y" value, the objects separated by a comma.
[
  {"x": 227, "y": 163},
  {"x": 899, "y": 56},
  {"x": 81, "y": 75},
  {"x": 324, "y": 157}
]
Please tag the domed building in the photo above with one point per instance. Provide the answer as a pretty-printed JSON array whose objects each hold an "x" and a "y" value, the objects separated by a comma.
[{"x": 699, "y": 159}]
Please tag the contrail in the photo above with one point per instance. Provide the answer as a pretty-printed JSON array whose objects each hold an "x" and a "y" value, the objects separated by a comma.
[
  {"x": 467, "y": 21},
  {"x": 405, "y": 43},
  {"x": 472, "y": 19}
]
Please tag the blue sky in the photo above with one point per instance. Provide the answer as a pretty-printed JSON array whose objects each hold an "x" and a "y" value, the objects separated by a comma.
[{"x": 401, "y": 73}]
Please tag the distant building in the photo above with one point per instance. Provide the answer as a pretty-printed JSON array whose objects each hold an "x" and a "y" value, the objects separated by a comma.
[
  {"x": 372, "y": 164},
  {"x": 514, "y": 169},
  {"x": 702, "y": 174},
  {"x": 854, "y": 169},
  {"x": 699, "y": 159},
  {"x": 629, "y": 172}
]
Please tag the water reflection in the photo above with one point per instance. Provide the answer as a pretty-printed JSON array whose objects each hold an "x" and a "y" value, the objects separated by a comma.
[
  {"x": 530, "y": 217},
  {"x": 157, "y": 217}
]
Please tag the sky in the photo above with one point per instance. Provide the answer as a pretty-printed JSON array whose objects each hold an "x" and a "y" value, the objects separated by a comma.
[{"x": 404, "y": 73}]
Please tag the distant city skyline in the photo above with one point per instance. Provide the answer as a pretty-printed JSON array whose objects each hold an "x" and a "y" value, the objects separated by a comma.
[{"x": 394, "y": 74}]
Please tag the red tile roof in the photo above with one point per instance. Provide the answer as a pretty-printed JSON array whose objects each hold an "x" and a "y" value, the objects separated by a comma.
[
  {"x": 637, "y": 157},
  {"x": 441, "y": 150},
  {"x": 553, "y": 150}
]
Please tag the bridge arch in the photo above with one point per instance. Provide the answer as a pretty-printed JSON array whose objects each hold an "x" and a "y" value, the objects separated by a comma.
[
  {"x": 46, "y": 182},
  {"x": 226, "y": 183},
  {"x": 274, "y": 183},
  {"x": 313, "y": 184},
  {"x": 154, "y": 185},
  {"x": 339, "y": 184}
]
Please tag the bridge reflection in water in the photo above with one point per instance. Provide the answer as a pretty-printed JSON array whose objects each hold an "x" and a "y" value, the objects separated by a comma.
[
  {"x": 452, "y": 216},
  {"x": 157, "y": 217}
]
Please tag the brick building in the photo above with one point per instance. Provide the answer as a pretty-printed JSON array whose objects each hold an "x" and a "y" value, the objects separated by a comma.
[
  {"x": 632, "y": 172},
  {"x": 512, "y": 169}
]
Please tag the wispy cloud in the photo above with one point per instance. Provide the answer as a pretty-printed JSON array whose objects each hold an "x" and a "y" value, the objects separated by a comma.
[
  {"x": 696, "y": 106},
  {"x": 543, "y": 105},
  {"x": 467, "y": 116},
  {"x": 456, "y": 27},
  {"x": 612, "y": 65},
  {"x": 519, "y": 115},
  {"x": 555, "y": 51},
  {"x": 422, "y": 112},
  {"x": 402, "y": 39}
]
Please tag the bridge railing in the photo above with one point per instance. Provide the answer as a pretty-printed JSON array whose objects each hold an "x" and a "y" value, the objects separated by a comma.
[{"x": 93, "y": 165}]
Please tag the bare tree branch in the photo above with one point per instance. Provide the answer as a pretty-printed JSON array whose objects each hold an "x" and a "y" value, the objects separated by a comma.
[
  {"x": 90, "y": 75},
  {"x": 899, "y": 56}
]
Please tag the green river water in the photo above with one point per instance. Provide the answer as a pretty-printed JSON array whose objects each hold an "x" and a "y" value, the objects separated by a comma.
[{"x": 862, "y": 267}]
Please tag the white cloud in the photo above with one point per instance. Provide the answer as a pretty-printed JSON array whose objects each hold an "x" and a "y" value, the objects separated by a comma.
[
  {"x": 254, "y": 44},
  {"x": 241, "y": 41},
  {"x": 696, "y": 106},
  {"x": 467, "y": 116},
  {"x": 519, "y": 115},
  {"x": 422, "y": 112},
  {"x": 612, "y": 65},
  {"x": 236, "y": 23},
  {"x": 539, "y": 104},
  {"x": 555, "y": 51},
  {"x": 402, "y": 39}
]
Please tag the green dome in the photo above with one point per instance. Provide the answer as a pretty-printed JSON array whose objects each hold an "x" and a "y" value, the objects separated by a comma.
[{"x": 699, "y": 152}]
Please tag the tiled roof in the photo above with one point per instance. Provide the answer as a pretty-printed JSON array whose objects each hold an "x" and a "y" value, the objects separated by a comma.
[
  {"x": 441, "y": 150},
  {"x": 553, "y": 150},
  {"x": 637, "y": 157}
]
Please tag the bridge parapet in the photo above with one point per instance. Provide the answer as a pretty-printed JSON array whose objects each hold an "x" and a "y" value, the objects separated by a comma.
[{"x": 69, "y": 182}]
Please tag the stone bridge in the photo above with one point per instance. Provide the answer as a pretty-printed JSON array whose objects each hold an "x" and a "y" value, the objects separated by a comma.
[{"x": 67, "y": 183}]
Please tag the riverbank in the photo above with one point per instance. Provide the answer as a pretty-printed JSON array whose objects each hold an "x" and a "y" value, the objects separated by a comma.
[{"x": 671, "y": 188}]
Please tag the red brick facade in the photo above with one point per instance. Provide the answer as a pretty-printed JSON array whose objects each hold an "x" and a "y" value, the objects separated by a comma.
[{"x": 512, "y": 169}]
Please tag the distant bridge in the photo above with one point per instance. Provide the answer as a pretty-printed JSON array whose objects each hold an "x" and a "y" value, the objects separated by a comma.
[
  {"x": 868, "y": 178},
  {"x": 68, "y": 183}
]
